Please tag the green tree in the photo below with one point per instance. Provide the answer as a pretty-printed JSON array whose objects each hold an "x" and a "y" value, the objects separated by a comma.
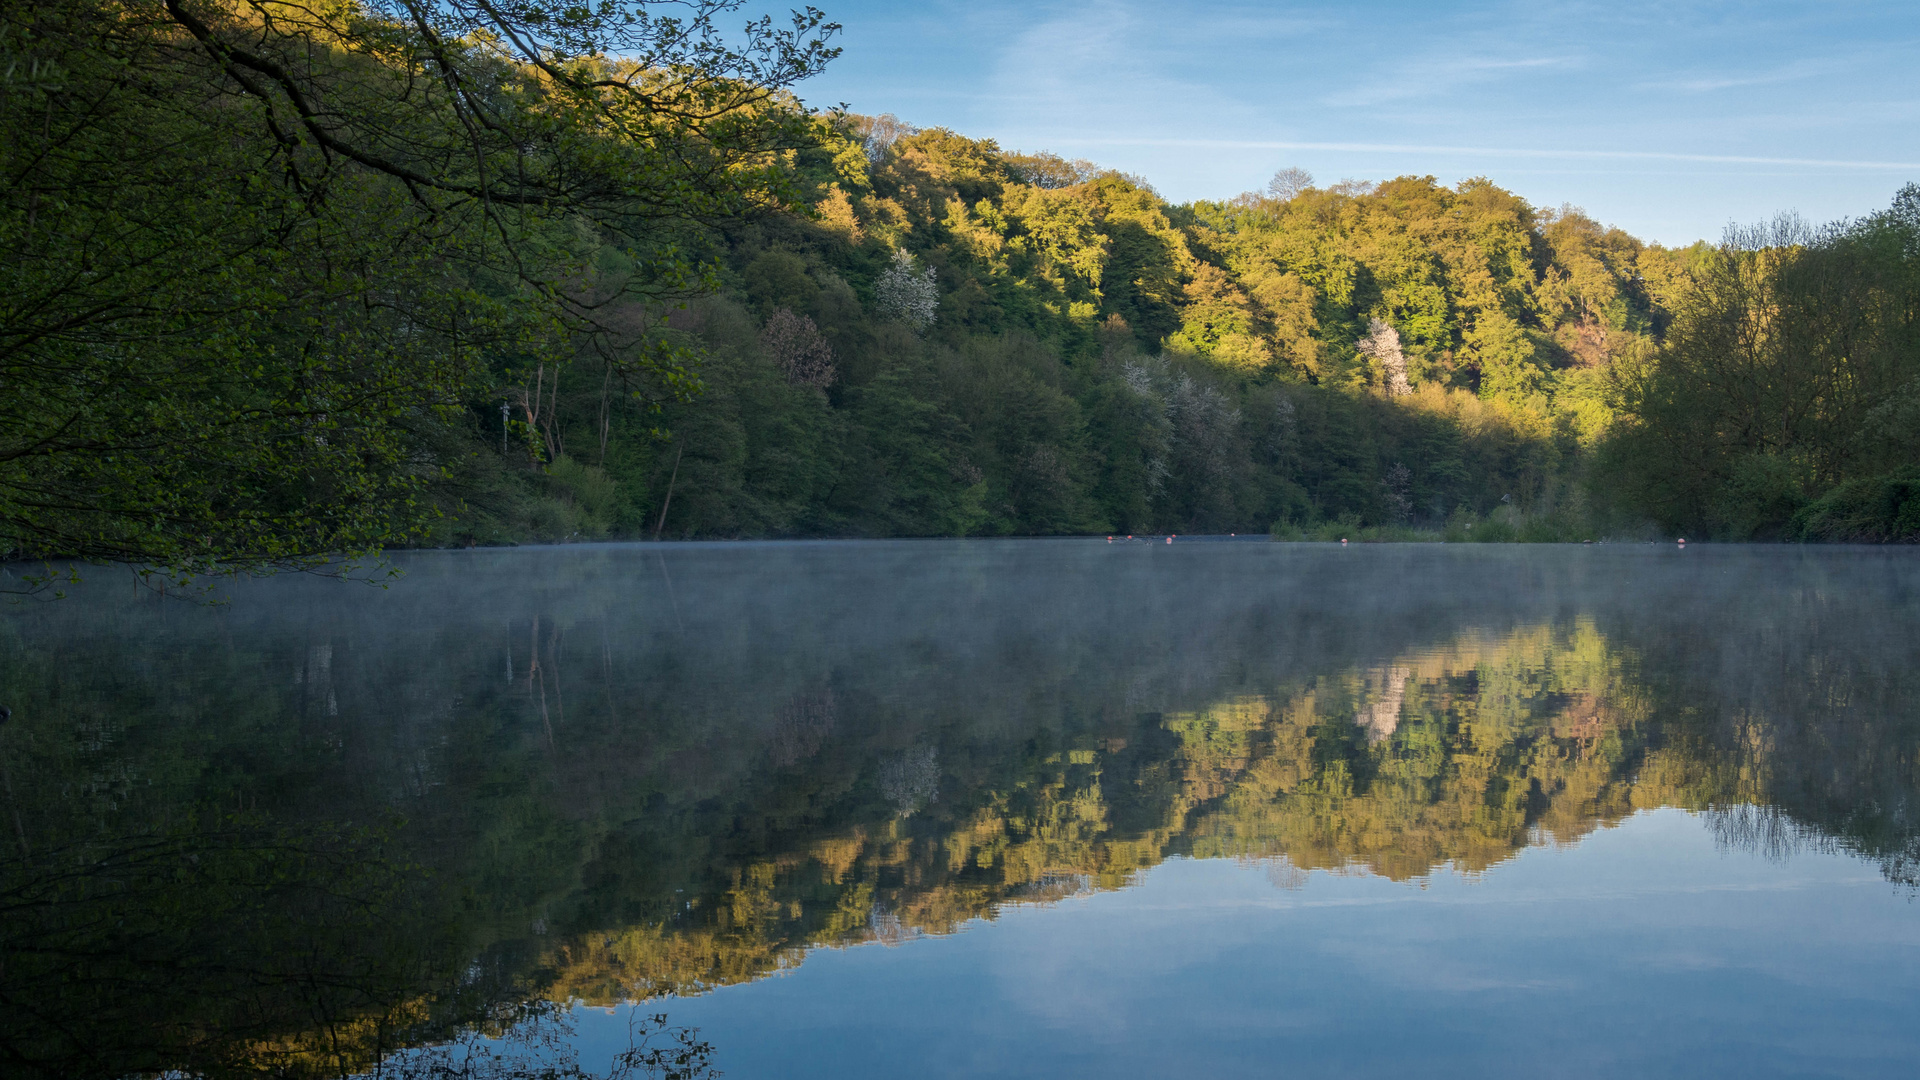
[
  {"x": 259, "y": 254},
  {"x": 1790, "y": 371}
]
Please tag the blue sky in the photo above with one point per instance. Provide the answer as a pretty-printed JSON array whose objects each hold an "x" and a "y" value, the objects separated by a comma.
[{"x": 1667, "y": 119}]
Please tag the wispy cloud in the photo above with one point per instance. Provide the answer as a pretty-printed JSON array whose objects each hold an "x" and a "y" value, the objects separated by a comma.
[
  {"x": 1080, "y": 65},
  {"x": 1707, "y": 84},
  {"x": 1498, "y": 151},
  {"x": 1441, "y": 76}
]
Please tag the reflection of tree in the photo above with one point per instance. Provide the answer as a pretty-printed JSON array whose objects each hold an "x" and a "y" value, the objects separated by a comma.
[
  {"x": 802, "y": 726},
  {"x": 1484, "y": 760},
  {"x": 1766, "y": 831},
  {"x": 1484, "y": 747},
  {"x": 1495, "y": 743},
  {"x": 714, "y": 789},
  {"x": 539, "y": 1046},
  {"x": 911, "y": 779},
  {"x": 217, "y": 946},
  {"x": 1381, "y": 717}
]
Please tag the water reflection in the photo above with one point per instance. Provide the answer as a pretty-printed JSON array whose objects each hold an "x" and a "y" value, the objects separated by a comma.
[{"x": 293, "y": 833}]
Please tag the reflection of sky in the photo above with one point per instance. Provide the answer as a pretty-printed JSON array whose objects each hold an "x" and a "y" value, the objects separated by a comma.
[
  {"x": 1644, "y": 950},
  {"x": 1665, "y": 118}
]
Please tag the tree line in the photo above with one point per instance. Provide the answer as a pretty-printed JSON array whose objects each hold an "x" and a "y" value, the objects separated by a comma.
[
  {"x": 289, "y": 282},
  {"x": 1077, "y": 356}
]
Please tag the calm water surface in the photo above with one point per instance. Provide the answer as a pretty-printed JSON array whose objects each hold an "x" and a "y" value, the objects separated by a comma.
[{"x": 1056, "y": 808}]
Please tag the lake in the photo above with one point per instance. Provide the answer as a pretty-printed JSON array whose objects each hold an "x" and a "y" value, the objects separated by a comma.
[{"x": 965, "y": 808}]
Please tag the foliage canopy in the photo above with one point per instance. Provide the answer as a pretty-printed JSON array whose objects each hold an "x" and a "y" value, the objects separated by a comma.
[
  {"x": 289, "y": 281},
  {"x": 261, "y": 256}
]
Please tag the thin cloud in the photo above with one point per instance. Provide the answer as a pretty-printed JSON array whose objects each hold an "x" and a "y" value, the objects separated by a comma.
[
  {"x": 1500, "y": 151},
  {"x": 1045, "y": 73},
  {"x": 1435, "y": 78},
  {"x": 1707, "y": 84}
]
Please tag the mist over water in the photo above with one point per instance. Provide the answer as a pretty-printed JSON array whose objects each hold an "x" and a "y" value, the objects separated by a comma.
[{"x": 1134, "y": 809}]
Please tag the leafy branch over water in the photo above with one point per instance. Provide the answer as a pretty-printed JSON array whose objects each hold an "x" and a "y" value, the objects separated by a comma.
[{"x": 262, "y": 257}]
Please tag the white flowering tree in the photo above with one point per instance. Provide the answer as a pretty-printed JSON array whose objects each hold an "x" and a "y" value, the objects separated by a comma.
[
  {"x": 907, "y": 293},
  {"x": 1382, "y": 343}
]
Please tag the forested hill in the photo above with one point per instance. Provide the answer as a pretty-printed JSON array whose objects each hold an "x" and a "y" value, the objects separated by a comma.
[
  {"x": 960, "y": 340},
  {"x": 283, "y": 282},
  {"x": 955, "y": 339}
]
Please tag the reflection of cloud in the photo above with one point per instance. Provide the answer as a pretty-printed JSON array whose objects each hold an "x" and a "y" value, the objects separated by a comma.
[{"x": 1433, "y": 967}]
